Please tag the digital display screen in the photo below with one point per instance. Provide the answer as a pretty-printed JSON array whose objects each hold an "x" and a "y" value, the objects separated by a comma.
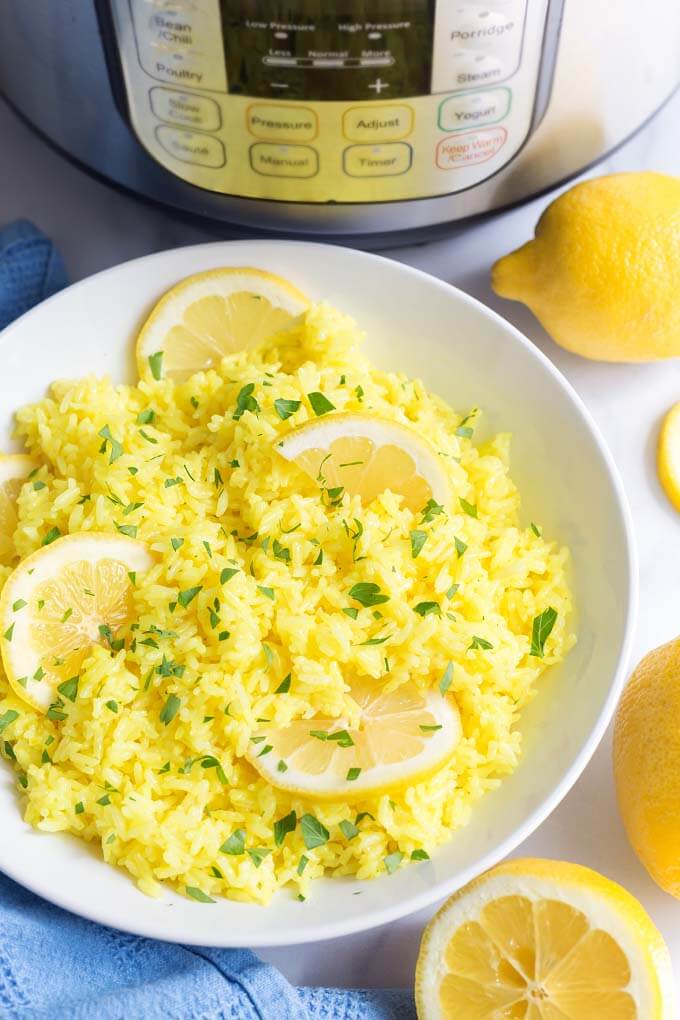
[{"x": 315, "y": 49}]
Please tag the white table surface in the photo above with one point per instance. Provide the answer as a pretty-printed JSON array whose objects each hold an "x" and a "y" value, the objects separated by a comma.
[{"x": 96, "y": 227}]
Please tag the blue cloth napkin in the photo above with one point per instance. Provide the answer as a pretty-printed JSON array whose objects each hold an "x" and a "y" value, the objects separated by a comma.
[{"x": 54, "y": 964}]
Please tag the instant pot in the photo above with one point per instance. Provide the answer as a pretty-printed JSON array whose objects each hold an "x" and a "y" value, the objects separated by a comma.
[{"x": 351, "y": 119}]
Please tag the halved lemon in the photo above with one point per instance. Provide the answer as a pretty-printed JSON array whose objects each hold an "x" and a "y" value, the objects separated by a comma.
[
  {"x": 668, "y": 455},
  {"x": 214, "y": 313},
  {"x": 59, "y": 602},
  {"x": 401, "y": 737},
  {"x": 543, "y": 940},
  {"x": 365, "y": 455},
  {"x": 14, "y": 469}
]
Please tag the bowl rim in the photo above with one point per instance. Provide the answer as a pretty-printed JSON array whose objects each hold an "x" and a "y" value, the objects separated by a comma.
[{"x": 435, "y": 893}]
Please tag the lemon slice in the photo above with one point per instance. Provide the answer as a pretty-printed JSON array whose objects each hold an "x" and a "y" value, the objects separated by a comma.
[
  {"x": 60, "y": 601},
  {"x": 395, "y": 739},
  {"x": 365, "y": 455},
  {"x": 543, "y": 940},
  {"x": 211, "y": 314},
  {"x": 14, "y": 469},
  {"x": 668, "y": 455}
]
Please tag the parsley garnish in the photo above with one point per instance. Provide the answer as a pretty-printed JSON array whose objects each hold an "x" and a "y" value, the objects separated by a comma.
[
  {"x": 227, "y": 574},
  {"x": 284, "y": 686},
  {"x": 351, "y": 611},
  {"x": 283, "y": 826},
  {"x": 51, "y": 536},
  {"x": 115, "y": 448},
  {"x": 176, "y": 543},
  {"x": 146, "y": 417},
  {"x": 245, "y": 401},
  {"x": 445, "y": 681},
  {"x": 156, "y": 364},
  {"x": 461, "y": 546},
  {"x": 349, "y": 829},
  {"x": 430, "y": 729},
  {"x": 480, "y": 642},
  {"x": 7, "y": 718},
  {"x": 127, "y": 529},
  {"x": 313, "y": 832},
  {"x": 188, "y": 595},
  {"x": 236, "y": 843},
  {"x": 284, "y": 408},
  {"x": 418, "y": 540},
  {"x": 392, "y": 861},
  {"x": 302, "y": 864},
  {"x": 198, "y": 894},
  {"x": 269, "y": 592},
  {"x": 353, "y": 774},
  {"x": 368, "y": 594},
  {"x": 427, "y": 608},
  {"x": 420, "y": 855},
  {"x": 258, "y": 854},
  {"x": 79, "y": 808},
  {"x": 469, "y": 508},
  {"x": 540, "y": 631},
  {"x": 170, "y": 709},
  {"x": 320, "y": 404},
  {"x": 280, "y": 551},
  {"x": 431, "y": 509},
  {"x": 169, "y": 482},
  {"x": 19, "y": 604},
  {"x": 69, "y": 688}
]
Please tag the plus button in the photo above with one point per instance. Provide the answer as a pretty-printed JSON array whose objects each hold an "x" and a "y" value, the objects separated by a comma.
[{"x": 379, "y": 85}]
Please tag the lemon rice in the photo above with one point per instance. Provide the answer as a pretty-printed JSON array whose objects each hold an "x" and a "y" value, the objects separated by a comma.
[{"x": 269, "y": 596}]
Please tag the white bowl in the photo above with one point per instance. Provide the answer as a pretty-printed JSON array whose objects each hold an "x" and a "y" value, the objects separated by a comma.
[{"x": 568, "y": 482}]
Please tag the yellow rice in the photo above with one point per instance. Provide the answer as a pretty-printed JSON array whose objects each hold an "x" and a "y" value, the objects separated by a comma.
[{"x": 165, "y": 819}]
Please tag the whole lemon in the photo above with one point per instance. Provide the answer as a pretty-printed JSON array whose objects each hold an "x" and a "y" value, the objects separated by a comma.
[
  {"x": 647, "y": 764},
  {"x": 602, "y": 274}
]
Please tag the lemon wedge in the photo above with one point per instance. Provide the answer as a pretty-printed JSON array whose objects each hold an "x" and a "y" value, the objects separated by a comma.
[
  {"x": 365, "y": 455},
  {"x": 59, "y": 602},
  {"x": 543, "y": 940},
  {"x": 14, "y": 469},
  {"x": 214, "y": 313},
  {"x": 395, "y": 738}
]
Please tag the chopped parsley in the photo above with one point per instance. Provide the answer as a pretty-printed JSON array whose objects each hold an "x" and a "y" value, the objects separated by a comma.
[
  {"x": 146, "y": 416},
  {"x": 176, "y": 543},
  {"x": 227, "y": 574},
  {"x": 320, "y": 404},
  {"x": 469, "y": 508},
  {"x": 284, "y": 686},
  {"x": 418, "y": 540},
  {"x": 52, "y": 535},
  {"x": 198, "y": 894},
  {"x": 170, "y": 709},
  {"x": 445, "y": 681},
  {"x": 351, "y": 611},
  {"x": 313, "y": 832},
  {"x": 284, "y": 408},
  {"x": 188, "y": 595},
  {"x": 156, "y": 364},
  {"x": 302, "y": 864},
  {"x": 7, "y": 718},
  {"x": 541, "y": 630},
  {"x": 245, "y": 401},
  {"x": 127, "y": 529},
  {"x": 430, "y": 729},
  {"x": 420, "y": 855},
  {"x": 79, "y": 808},
  {"x": 19, "y": 604},
  {"x": 258, "y": 854},
  {"x": 536, "y": 530},
  {"x": 112, "y": 706},
  {"x": 115, "y": 448},
  {"x": 427, "y": 609},
  {"x": 368, "y": 594},
  {"x": 268, "y": 592},
  {"x": 69, "y": 688},
  {"x": 431, "y": 510},
  {"x": 169, "y": 482},
  {"x": 479, "y": 642},
  {"x": 349, "y": 829},
  {"x": 283, "y": 826},
  {"x": 461, "y": 546},
  {"x": 392, "y": 861},
  {"x": 236, "y": 844},
  {"x": 353, "y": 774},
  {"x": 280, "y": 552}
]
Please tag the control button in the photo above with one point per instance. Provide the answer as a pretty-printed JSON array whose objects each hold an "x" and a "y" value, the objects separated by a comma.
[
  {"x": 472, "y": 109},
  {"x": 191, "y": 147},
  {"x": 479, "y": 26},
  {"x": 181, "y": 43},
  {"x": 468, "y": 68},
  {"x": 185, "y": 108},
  {"x": 473, "y": 147},
  {"x": 377, "y": 160},
  {"x": 284, "y": 160},
  {"x": 280, "y": 122},
  {"x": 377, "y": 123}
]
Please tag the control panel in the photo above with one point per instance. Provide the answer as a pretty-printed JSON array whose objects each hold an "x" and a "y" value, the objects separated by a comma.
[{"x": 292, "y": 101}]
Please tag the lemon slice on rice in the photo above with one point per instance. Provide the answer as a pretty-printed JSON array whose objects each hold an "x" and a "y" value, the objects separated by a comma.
[
  {"x": 543, "y": 940},
  {"x": 395, "y": 738},
  {"x": 14, "y": 469},
  {"x": 214, "y": 313},
  {"x": 364, "y": 455},
  {"x": 59, "y": 602}
]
